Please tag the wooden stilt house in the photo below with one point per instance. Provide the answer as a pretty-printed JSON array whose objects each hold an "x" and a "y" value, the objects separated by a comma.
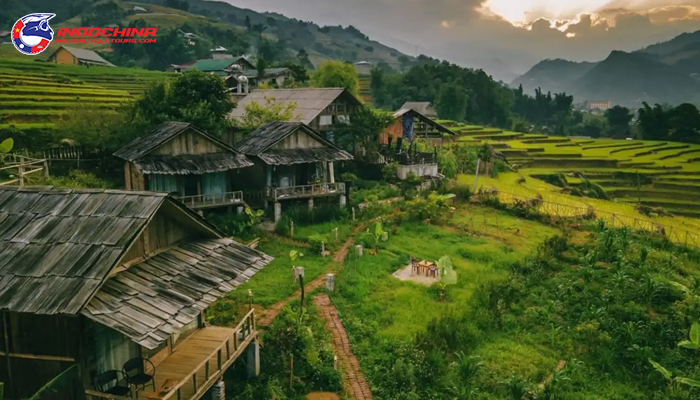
[
  {"x": 178, "y": 158},
  {"x": 292, "y": 161},
  {"x": 101, "y": 283}
]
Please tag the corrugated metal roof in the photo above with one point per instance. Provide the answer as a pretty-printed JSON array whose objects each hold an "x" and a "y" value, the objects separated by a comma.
[
  {"x": 259, "y": 142},
  {"x": 310, "y": 102},
  {"x": 195, "y": 164},
  {"x": 87, "y": 55},
  {"x": 214, "y": 65},
  {"x": 57, "y": 246},
  {"x": 153, "y": 299},
  {"x": 164, "y": 132}
]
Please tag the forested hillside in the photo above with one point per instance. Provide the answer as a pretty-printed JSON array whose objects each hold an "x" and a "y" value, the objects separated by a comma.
[{"x": 241, "y": 31}]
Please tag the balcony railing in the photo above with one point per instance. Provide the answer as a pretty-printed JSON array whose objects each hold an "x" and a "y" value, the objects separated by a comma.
[
  {"x": 412, "y": 158},
  {"x": 212, "y": 200},
  {"x": 302, "y": 191},
  {"x": 221, "y": 347}
]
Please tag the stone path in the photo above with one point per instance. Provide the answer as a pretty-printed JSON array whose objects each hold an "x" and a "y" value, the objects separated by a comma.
[
  {"x": 268, "y": 315},
  {"x": 353, "y": 378}
]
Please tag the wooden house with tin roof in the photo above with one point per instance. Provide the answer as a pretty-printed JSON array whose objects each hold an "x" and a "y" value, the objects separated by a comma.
[
  {"x": 92, "y": 280},
  {"x": 178, "y": 158},
  {"x": 292, "y": 161},
  {"x": 322, "y": 109}
]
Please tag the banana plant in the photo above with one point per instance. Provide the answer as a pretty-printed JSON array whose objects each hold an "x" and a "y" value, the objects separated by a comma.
[
  {"x": 692, "y": 344},
  {"x": 378, "y": 234},
  {"x": 448, "y": 276},
  {"x": 6, "y": 145}
]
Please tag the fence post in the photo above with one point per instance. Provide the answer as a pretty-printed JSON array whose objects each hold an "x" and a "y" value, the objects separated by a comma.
[{"x": 20, "y": 170}]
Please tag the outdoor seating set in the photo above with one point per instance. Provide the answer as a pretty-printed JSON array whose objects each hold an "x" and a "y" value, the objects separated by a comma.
[
  {"x": 133, "y": 374},
  {"x": 426, "y": 268}
]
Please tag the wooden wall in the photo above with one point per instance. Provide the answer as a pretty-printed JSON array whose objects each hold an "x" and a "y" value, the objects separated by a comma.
[
  {"x": 298, "y": 140},
  {"x": 188, "y": 142},
  {"x": 133, "y": 178},
  {"x": 160, "y": 233},
  {"x": 41, "y": 347},
  {"x": 251, "y": 177}
]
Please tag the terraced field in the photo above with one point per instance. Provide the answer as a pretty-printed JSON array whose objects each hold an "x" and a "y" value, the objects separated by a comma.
[
  {"x": 631, "y": 172},
  {"x": 36, "y": 94}
]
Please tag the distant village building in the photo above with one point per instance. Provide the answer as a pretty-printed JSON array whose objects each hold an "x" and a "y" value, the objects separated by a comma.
[
  {"x": 138, "y": 9},
  {"x": 423, "y": 107},
  {"x": 275, "y": 77},
  {"x": 102, "y": 281},
  {"x": 4, "y": 36},
  {"x": 220, "y": 66},
  {"x": 292, "y": 162},
  {"x": 73, "y": 56},
  {"x": 180, "y": 159},
  {"x": 220, "y": 52},
  {"x": 322, "y": 109},
  {"x": 363, "y": 67},
  {"x": 598, "y": 105}
]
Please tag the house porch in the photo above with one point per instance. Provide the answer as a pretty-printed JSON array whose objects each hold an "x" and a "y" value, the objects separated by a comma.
[{"x": 199, "y": 362}]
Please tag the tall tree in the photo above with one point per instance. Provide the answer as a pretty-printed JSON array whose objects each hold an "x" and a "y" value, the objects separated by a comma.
[
  {"x": 452, "y": 101},
  {"x": 193, "y": 96},
  {"x": 653, "y": 122},
  {"x": 362, "y": 132},
  {"x": 684, "y": 123},
  {"x": 619, "y": 119},
  {"x": 336, "y": 74}
]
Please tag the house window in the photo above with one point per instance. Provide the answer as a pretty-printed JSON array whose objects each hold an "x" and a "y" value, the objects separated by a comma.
[
  {"x": 326, "y": 120},
  {"x": 341, "y": 107}
]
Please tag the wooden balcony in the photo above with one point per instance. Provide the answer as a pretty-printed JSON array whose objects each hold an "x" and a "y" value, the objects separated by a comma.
[
  {"x": 305, "y": 191},
  {"x": 196, "y": 364},
  {"x": 203, "y": 201}
]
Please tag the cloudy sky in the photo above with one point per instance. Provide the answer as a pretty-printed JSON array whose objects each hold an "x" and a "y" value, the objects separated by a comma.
[{"x": 505, "y": 37}]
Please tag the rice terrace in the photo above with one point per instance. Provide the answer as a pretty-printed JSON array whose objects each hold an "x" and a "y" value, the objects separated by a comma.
[{"x": 256, "y": 206}]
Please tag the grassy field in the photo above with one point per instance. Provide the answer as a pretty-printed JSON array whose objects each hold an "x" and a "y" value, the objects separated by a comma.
[{"x": 35, "y": 94}]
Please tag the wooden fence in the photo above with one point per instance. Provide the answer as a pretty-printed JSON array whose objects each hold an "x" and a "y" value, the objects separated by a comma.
[
  {"x": 24, "y": 166},
  {"x": 674, "y": 234}
]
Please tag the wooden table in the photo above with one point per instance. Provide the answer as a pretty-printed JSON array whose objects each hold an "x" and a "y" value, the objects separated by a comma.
[
  {"x": 167, "y": 387},
  {"x": 425, "y": 266}
]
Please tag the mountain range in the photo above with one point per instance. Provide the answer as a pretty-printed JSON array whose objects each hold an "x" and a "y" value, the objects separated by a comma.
[{"x": 667, "y": 72}]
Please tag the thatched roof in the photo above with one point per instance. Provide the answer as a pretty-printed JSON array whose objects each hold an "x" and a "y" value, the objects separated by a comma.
[
  {"x": 310, "y": 102},
  {"x": 259, "y": 143},
  {"x": 59, "y": 249},
  {"x": 138, "y": 152}
]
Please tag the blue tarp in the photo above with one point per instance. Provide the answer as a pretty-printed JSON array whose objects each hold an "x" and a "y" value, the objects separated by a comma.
[{"x": 408, "y": 126}]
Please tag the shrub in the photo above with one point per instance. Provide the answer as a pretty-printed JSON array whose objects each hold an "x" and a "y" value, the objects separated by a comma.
[
  {"x": 349, "y": 177},
  {"x": 390, "y": 172},
  {"x": 316, "y": 242},
  {"x": 302, "y": 216}
]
